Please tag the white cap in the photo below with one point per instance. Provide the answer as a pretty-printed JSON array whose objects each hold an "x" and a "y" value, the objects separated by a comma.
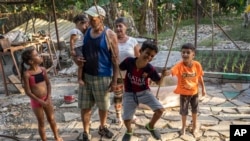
[{"x": 95, "y": 11}]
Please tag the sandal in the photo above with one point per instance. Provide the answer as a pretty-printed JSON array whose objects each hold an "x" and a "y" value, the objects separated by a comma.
[{"x": 154, "y": 132}]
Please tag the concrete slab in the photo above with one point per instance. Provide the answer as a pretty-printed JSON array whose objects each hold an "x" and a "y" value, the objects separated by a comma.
[
  {"x": 215, "y": 101},
  {"x": 239, "y": 103},
  {"x": 211, "y": 134},
  {"x": 70, "y": 116},
  {"x": 231, "y": 117},
  {"x": 229, "y": 110},
  {"x": 226, "y": 104},
  {"x": 243, "y": 110},
  {"x": 170, "y": 136},
  {"x": 24, "y": 136},
  {"x": 230, "y": 94},
  {"x": 70, "y": 136},
  {"x": 71, "y": 105},
  {"x": 207, "y": 120}
]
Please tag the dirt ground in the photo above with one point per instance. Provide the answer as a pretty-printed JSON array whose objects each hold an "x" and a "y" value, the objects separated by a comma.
[{"x": 16, "y": 113}]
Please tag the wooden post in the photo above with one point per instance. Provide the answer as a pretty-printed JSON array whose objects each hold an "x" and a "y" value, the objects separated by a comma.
[
  {"x": 3, "y": 74},
  {"x": 196, "y": 22},
  {"x": 57, "y": 34},
  {"x": 156, "y": 22}
]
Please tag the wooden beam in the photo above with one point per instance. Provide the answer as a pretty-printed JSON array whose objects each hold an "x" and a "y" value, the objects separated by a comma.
[{"x": 17, "y": 83}]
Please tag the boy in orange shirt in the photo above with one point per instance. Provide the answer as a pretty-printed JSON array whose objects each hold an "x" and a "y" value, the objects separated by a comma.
[{"x": 189, "y": 74}]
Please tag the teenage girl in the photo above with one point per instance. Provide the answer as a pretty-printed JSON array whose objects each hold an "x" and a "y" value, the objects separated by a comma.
[{"x": 37, "y": 86}]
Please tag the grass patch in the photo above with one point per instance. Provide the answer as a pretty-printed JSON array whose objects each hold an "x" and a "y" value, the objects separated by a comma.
[
  {"x": 208, "y": 42},
  {"x": 238, "y": 32},
  {"x": 166, "y": 34}
]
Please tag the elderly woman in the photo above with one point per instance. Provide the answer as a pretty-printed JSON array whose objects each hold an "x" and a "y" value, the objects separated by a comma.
[{"x": 128, "y": 47}]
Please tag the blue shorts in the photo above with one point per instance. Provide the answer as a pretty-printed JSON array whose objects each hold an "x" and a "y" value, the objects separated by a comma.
[{"x": 131, "y": 100}]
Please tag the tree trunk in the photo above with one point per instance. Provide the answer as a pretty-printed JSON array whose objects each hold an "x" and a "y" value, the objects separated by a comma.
[
  {"x": 200, "y": 10},
  {"x": 142, "y": 20}
]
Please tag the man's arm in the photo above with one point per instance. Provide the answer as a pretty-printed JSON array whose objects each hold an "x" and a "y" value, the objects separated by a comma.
[{"x": 113, "y": 44}]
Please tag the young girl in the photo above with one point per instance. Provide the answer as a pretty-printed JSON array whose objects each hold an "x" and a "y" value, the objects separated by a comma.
[
  {"x": 37, "y": 87},
  {"x": 76, "y": 42}
]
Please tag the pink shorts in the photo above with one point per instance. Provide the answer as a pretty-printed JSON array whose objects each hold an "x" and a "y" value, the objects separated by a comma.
[{"x": 36, "y": 104}]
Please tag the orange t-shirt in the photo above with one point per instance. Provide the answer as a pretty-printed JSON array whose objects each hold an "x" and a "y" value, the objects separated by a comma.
[{"x": 187, "y": 78}]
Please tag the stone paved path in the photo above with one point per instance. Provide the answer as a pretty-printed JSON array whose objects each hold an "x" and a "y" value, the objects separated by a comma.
[{"x": 224, "y": 105}]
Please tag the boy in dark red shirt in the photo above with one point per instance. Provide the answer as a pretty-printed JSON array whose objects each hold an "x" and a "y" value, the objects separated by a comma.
[{"x": 138, "y": 73}]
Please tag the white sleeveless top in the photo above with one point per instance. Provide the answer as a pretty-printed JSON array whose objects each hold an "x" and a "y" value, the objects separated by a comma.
[
  {"x": 127, "y": 49},
  {"x": 79, "y": 35}
]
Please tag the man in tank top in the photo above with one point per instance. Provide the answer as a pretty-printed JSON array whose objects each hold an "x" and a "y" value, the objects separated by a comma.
[{"x": 100, "y": 71}]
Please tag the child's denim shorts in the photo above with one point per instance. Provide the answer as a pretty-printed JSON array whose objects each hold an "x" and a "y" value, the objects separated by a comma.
[{"x": 131, "y": 101}]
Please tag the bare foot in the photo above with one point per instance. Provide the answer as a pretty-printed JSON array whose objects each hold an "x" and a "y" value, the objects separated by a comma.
[
  {"x": 183, "y": 131},
  {"x": 134, "y": 120},
  {"x": 119, "y": 121},
  {"x": 195, "y": 132}
]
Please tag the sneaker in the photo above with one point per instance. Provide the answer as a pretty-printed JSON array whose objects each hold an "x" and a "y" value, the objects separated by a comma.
[
  {"x": 154, "y": 132},
  {"x": 127, "y": 137},
  {"x": 105, "y": 132},
  {"x": 85, "y": 136}
]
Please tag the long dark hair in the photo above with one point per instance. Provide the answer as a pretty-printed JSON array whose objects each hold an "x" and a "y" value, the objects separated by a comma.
[{"x": 26, "y": 57}]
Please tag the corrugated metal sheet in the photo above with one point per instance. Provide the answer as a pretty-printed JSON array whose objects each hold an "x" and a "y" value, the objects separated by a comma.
[{"x": 63, "y": 26}]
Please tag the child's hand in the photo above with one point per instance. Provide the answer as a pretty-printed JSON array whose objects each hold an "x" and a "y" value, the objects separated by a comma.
[
  {"x": 48, "y": 101},
  {"x": 166, "y": 72},
  {"x": 112, "y": 86},
  {"x": 203, "y": 92},
  {"x": 73, "y": 53},
  {"x": 80, "y": 61},
  {"x": 43, "y": 103},
  {"x": 81, "y": 82}
]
